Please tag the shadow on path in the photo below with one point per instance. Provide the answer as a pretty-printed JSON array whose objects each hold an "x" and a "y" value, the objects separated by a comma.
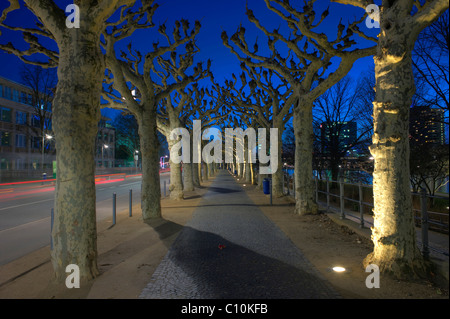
[{"x": 221, "y": 269}]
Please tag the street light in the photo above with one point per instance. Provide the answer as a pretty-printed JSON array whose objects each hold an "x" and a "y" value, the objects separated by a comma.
[
  {"x": 44, "y": 137},
  {"x": 136, "y": 159},
  {"x": 103, "y": 147}
]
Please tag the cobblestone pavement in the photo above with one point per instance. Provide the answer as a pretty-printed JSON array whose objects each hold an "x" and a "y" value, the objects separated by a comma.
[{"x": 230, "y": 249}]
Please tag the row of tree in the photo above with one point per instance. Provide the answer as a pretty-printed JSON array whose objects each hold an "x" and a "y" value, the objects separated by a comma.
[{"x": 158, "y": 88}]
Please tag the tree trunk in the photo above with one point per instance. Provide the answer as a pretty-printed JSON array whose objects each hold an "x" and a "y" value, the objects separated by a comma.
[
  {"x": 393, "y": 234},
  {"x": 188, "y": 184},
  {"x": 248, "y": 173},
  {"x": 277, "y": 177},
  {"x": 211, "y": 169},
  {"x": 176, "y": 180},
  {"x": 76, "y": 112},
  {"x": 151, "y": 188},
  {"x": 304, "y": 137},
  {"x": 195, "y": 175},
  {"x": 204, "y": 170}
]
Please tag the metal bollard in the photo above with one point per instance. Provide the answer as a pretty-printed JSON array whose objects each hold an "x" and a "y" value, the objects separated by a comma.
[
  {"x": 424, "y": 226},
  {"x": 52, "y": 218},
  {"x": 341, "y": 197},
  {"x": 317, "y": 189},
  {"x": 131, "y": 203},
  {"x": 293, "y": 185},
  {"x": 361, "y": 207},
  {"x": 328, "y": 195},
  {"x": 114, "y": 209},
  {"x": 288, "y": 186}
]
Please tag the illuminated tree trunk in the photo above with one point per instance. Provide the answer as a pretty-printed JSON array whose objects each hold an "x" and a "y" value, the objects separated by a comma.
[
  {"x": 151, "y": 189},
  {"x": 393, "y": 234},
  {"x": 304, "y": 136},
  {"x": 76, "y": 113}
]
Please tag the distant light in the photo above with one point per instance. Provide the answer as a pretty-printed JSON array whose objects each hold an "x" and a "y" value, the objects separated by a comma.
[
  {"x": 244, "y": 184},
  {"x": 338, "y": 269},
  {"x": 49, "y": 137}
]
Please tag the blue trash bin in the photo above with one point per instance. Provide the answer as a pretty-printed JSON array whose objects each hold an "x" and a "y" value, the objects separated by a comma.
[{"x": 266, "y": 186}]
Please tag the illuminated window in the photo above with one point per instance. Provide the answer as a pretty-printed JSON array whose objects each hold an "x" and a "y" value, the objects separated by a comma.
[
  {"x": 5, "y": 138},
  {"x": 5, "y": 114}
]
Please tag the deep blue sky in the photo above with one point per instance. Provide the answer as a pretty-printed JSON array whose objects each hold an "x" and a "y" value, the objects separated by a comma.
[{"x": 215, "y": 16}]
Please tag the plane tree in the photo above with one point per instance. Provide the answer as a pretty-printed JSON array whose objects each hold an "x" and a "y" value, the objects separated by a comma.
[
  {"x": 306, "y": 54},
  {"x": 267, "y": 99},
  {"x": 400, "y": 23},
  {"x": 76, "y": 109},
  {"x": 140, "y": 82}
]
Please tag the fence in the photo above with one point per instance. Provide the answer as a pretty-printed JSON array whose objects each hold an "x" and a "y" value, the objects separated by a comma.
[{"x": 350, "y": 198}]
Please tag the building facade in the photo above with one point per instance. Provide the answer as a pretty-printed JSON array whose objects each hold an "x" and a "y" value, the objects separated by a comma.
[
  {"x": 27, "y": 149},
  {"x": 427, "y": 125},
  {"x": 337, "y": 135},
  {"x": 24, "y": 149},
  {"x": 105, "y": 145}
]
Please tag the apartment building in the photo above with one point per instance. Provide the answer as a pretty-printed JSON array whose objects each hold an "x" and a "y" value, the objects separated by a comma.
[
  {"x": 22, "y": 137},
  {"x": 24, "y": 149},
  {"x": 337, "y": 135},
  {"x": 105, "y": 144},
  {"x": 427, "y": 125}
]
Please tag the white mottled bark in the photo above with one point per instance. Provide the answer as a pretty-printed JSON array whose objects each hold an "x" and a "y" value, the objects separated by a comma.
[
  {"x": 176, "y": 179},
  {"x": 188, "y": 180},
  {"x": 304, "y": 136},
  {"x": 151, "y": 190},
  {"x": 393, "y": 234},
  {"x": 195, "y": 175},
  {"x": 76, "y": 112}
]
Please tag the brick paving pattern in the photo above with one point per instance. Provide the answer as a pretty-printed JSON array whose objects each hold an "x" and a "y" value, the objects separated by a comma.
[{"x": 231, "y": 250}]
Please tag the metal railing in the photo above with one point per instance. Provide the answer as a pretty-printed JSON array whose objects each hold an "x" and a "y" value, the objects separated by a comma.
[{"x": 424, "y": 218}]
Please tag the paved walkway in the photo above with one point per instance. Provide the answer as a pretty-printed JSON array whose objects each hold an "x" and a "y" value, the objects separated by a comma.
[{"x": 230, "y": 249}]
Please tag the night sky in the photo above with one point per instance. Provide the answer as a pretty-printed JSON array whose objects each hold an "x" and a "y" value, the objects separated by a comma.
[{"x": 215, "y": 16}]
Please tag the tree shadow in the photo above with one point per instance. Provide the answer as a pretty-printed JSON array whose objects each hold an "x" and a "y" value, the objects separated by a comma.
[
  {"x": 164, "y": 228},
  {"x": 202, "y": 264},
  {"x": 224, "y": 190}
]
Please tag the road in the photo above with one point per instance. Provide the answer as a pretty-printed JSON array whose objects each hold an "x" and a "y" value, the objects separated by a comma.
[{"x": 25, "y": 211}]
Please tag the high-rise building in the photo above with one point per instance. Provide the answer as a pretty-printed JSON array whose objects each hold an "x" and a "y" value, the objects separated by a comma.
[
  {"x": 337, "y": 135},
  {"x": 427, "y": 125}
]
